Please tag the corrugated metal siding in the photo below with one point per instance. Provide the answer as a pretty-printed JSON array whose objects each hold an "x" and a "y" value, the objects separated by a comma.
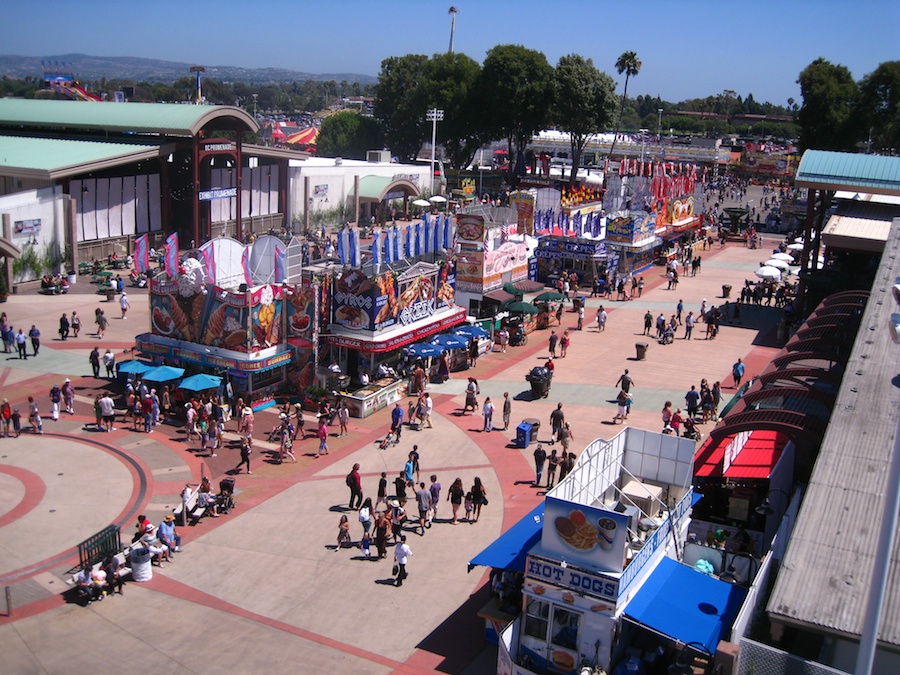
[
  {"x": 150, "y": 118},
  {"x": 826, "y": 572},
  {"x": 844, "y": 170}
]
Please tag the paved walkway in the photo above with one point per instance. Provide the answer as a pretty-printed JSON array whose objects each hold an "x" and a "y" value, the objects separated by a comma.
[{"x": 264, "y": 588}]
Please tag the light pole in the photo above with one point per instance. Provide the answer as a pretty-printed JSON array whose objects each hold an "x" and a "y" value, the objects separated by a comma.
[
  {"x": 659, "y": 126},
  {"x": 643, "y": 133},
  {"x": 434, "y": 116},
  {"x": 255, "y": 96}
]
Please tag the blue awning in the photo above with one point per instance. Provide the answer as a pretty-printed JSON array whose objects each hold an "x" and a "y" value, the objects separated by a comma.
[
  {"x": 686, "y": 605},
  {"x": 509, "y": 549},
  {"x": 163, "y": 374}
]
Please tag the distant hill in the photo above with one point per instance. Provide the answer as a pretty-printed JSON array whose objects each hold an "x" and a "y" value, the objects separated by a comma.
[{"x": 88, "y": 68}]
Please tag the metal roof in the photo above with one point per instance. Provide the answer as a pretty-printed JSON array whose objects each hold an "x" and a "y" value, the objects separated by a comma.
[
  {"x": 832, "y": 547},
  {"x": 860, "y": 226},
  {"x": 50, "y": 159},
  {"x": 826, "y": 170},
  {"x": 167, "y": 119}
]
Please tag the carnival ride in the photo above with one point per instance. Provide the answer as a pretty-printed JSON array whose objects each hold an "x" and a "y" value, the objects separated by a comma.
[{"x": 63, "y": 81}]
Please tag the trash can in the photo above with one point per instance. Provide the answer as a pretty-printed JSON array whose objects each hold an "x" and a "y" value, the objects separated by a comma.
[
  {"x": 641, "y": 348},
  {"x": 726, "y": 291},
  {"x": 141, "y": 570},
  {"x": 523, "y": 435},
  {"x": 539, "y": 377}
]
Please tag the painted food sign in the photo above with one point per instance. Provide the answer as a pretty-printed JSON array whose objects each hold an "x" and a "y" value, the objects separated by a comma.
[
  {"x": 227, "y": 322},
  {"x": 300, "y": 310},
  {"x": 594, "y": 538},
  {"x": 353, "y": 300},
  {"x": 416, "y": 299}
]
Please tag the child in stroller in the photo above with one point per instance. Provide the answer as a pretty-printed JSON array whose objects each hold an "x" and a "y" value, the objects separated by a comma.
[{"x": 690, "y": 429}]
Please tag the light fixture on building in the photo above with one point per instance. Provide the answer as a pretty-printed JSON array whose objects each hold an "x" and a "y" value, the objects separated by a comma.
[{"x": 765, "y": 509}]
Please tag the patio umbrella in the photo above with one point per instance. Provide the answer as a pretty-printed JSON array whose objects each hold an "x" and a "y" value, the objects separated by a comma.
[
  {"x": 787, "y": 257},
  {"x": 767, "y": 272},
  {"x": 423, "y": 350},
  {"x": 777, "y": 262},
  {"x": 200, "y": 382},
  {"x": 471, "y": 331},
  {"x": 450, "y": 341},
  {"x": 549, "y": 296},
  {"x": 437, "y": 199},
  {"x": 795, "y": 247},
  {"x": 135, "y": 367},
  {"x": 163, "y": 374},
  {"x": 521, "y": 308},
  {"x": 798, "y": 240},
  {"x": 421, "y": 202}
]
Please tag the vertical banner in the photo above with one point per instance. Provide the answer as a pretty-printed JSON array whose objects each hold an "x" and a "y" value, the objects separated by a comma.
[
  {"x": 427, "y": 237},
  {"x": 436, "y": 233},
  {"x": 142, "y": 253},
  {"x": 396, "y": 244},
  {"x": 417, "y": 250},
  {"x": 407, "y": 245},
  {"x": 171, "y": 256},
  {"x": 376, "y": 249},
  {"x": 343, "y": 246},
  {"x": 447, "y": 232},
  {"x": 354, "y": 249},
  {"x": 245, "y": 266},
  {"x": 209, "y": 262},
  {"x": 279, "y": 265}
]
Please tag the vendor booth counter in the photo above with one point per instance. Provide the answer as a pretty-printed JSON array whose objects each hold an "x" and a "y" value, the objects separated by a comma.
[{"x": 374, "y": 397}]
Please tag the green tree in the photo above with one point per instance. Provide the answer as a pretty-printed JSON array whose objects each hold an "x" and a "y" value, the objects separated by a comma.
[
  {"x": 449, "y": 84},
  {"x": 584, "y": 102},
  {"x": 348, "y": 134},
  {"x": 826, "y": 116},
  {"x": 879, "y": 106},
  {"x": 400, "y": 105},
  {"x": 516, "y": 92},
  {"x": 630, "y": 64}
]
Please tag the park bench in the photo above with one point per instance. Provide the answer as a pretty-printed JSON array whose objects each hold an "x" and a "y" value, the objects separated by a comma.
[{"x": 188, "y": 509}]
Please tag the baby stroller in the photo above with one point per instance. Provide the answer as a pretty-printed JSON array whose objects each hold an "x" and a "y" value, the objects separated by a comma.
[
  {"x": 225, "y": 498},
  {"x": 690, "y": 429},
  {"x": 668, "y": 336}
]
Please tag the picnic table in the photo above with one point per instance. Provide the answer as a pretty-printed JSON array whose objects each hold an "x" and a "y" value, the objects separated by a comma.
[{"x": 101, "y": 276}]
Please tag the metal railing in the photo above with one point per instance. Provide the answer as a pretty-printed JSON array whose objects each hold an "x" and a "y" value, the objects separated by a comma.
[{"x": 105, "y": 543}]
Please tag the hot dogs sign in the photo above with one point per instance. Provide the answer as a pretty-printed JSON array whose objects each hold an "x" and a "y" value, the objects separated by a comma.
[{"x": 380, "y": 301}]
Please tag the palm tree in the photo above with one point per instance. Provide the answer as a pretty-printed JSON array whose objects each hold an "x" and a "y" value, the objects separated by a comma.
[{"x": 630, "y": 64}]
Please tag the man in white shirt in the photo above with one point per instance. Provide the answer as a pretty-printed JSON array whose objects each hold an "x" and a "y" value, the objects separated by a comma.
[
  {"x": 428, "y": 405},
  {"x": 402, "y": 552},
  {"x": 107, "y": 412}
]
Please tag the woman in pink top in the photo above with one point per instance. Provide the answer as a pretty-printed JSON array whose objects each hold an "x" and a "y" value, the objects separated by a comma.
[{"x": 323, "y": 438}]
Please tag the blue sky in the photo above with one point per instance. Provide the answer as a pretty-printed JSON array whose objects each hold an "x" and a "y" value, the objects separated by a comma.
[{"x": 688, "y": 48}]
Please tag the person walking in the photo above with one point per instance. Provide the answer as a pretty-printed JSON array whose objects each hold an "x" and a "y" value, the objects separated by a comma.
[
  {"x": 507, "y": 410},
  {"x": 64, "y": 326},
  {"x": 20, "y": 344},
  {"x": 124, "y": 305},
  {"x": 109, "y": 361},
  {"x": 102, "y": 323},
  {"x": 75, "y": 324},
  {"x": 35, "y": 335},
  {"x": 487, "y": 411},
  {"x": 625, "y": 381},
  {"x": 55, "y": 399},
  {"x": 402, "y": 553},
  {"x": 435, "y": 490},
  {"x": 364, "y": 515},
  {"x": 552, "y": 465},
  {"x": 564, "y": 344},
  {"x": 455, "y": 496},
  {"x": 34, "y": 417},
  {"x": 648, "y": 322},
  {"x": 245, "y": 457},
  {"x": 343, "y": 418},
  {"x": 554, "y": 339},
  {"x": 688, "y": 325},
  {"x": 323, "y": 437},
  {"x": 423, "y": 501},
  {"x": 557, "y": 418},
  {"x": 540, "y": 458},
  {"x": 737, "y": 372},
  {"x": 580, "y": 316},
  {"x": 679, "y": 309},
  {"x": 354, "y": 482},
  {"x": 68, "y": 393},
  {"x": 426, "y": 407},
  {"x": 479, "y": 498}
]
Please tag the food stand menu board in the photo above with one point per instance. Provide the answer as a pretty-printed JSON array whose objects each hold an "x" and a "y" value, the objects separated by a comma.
[{"x": 591, "y": 537}]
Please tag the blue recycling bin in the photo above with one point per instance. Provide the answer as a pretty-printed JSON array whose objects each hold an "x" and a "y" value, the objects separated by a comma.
[{"x": 523, "y": 435}]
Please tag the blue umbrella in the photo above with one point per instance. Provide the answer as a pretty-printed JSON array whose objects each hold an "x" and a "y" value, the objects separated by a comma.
[
  {"x": 471, "y": 331},
  {"x": 450, "y": 341},
  {"x": 423, "y": 350},
  {"x": 135, "y": 367},
  {"x": 200, "y": 382},
  {"x": 163, "y": 374}
]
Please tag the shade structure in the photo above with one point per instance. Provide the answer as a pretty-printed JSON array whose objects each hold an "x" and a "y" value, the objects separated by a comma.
[
  {"x": 421, "y": 202},
  {"x": 449, "y": 341},
  {"x": 437, "y": 199},
  {"x": 200, "y": 382},
  {"x": 471, "y": 331},
  {"x": 424, "y": 350},
  {"x": 549, "y": 296},
  {"x": 508, "y": 551},
  {"x": 787, "y": 257},
  {"x": 767, "y": 272},
  {"x": 135, "y": 367},
  {"x": 795, "y": 247},
  {"x": 686, "y": 605},
  {"x": 164, "y": 374},
  {"x": 521, "y": 308},
  {"x": 777, "y": 262},
  {"x": 306, "y": 136}
]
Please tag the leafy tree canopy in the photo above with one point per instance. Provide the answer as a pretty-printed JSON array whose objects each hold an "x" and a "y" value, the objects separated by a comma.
[
  {"x": 348, "y": 134},
  {"x": 879, "y": 106},
  {"x": 826, "y": 116},
  {"x": 400, "y": 103}
]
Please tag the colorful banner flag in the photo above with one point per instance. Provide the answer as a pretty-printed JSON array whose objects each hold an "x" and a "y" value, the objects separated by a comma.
[
  {"x": 171, "y": 255},
  {"x": 209, "y": 262},
  {"x": 376, "y": 248},
  {"x": 447, "y": 227},
  {"x": 343, "y": 245},
  {"x": 142, "y": 253},
  {"x": 355, "y": 258},
  {"x": 427, "y": 236},
  {"x": 245, "y": 265},
  {"x": 407, "y": 245},
  {"x": 280, "y": 271},
  {"x": 418, "y": 243},
  {"x": 396, "y": 244}
]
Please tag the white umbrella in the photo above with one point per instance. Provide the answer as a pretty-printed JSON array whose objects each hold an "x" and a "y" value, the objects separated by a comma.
[
  {"x": 798, "y": 240},
  {"x": 421, "y": 202},
  {"x": 795, "y": 247},
  {"x": 787, "y": 257},
  {"x": 437, "y": 199},
  {"x": 767, "y": 272},
  {"x": 780, "y": 264}
]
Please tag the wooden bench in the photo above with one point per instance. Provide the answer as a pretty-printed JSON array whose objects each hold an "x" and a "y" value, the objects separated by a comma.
[{"x": 188, "y": 509}]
